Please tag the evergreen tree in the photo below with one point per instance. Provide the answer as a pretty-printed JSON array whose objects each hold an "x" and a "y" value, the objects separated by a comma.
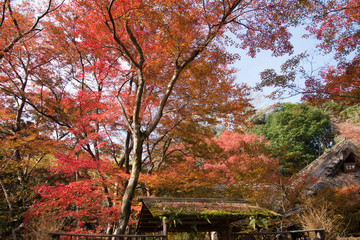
[{"x": 298, "y": 133}]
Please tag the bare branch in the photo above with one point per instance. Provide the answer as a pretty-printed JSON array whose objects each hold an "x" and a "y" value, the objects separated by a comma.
[{"x": 127, "y": 119}]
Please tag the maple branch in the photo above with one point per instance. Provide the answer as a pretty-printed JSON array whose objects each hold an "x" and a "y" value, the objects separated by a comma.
[
  {"x": 87, "y": 148},
  {"x": 155, "y": 143},
  {"x": 159, "y": 140},
  {"x": 277, "y": 94},
  {"x": 72, "y": 39},
  {"x": 227, "y": 13},
  {"x": 166, "y": 146},
  {"x": 179, "y": 68},
  {"x": 138, "y": 65},
  {"x": 128, "y": 148},
  {"x": 128, "y": 121},
  {"x": 47, "y": 115},
  {"x": 32, "y": 29},
  {"x": 169, "y": 154},
  {"x": 13, "y": 18},
  {"x": 170, "y": 86},
  {"x": 112, "y": 144},
  {"x": 48, "y": 10},
  {"x": 6, "y": 195},
  {"x": 116, "y": 38},
  {"x": 149, "y": 153},
  {"x": 329, "y": 11},
  {"x": 28, "y": 171},
  {"x": 13, "y": 68},
  {"x": 136, "y": 45},
  {"x": 3, "y": 13},
  {"x": 163, "y": 101},
  {"x": 244, "y": 25},
  {"x": 336, "y": 95},
  {"x": 139, "y": 94},
  {"x": 140, "y": 78},
  {"x": 164, "y": 152}
]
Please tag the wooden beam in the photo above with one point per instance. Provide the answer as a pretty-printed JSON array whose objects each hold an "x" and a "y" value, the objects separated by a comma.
[{"x": 165, "y": 229}]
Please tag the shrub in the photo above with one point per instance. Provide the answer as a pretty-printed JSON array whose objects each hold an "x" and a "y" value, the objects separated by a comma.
[{"x": 322, "y": 216}]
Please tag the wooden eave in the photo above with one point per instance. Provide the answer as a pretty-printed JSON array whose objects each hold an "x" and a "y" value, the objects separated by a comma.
[
  {"x": 329, "y": 163},
  {"x": 328, "y": 169},
  {"x": 187, "y": 222}
]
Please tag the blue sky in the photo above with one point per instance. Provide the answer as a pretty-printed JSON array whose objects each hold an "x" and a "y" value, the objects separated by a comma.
[{"x": 250, "y": 68}]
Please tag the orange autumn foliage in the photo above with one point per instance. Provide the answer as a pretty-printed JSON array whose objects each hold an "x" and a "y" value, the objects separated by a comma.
[{"x": 236, "y": 167}]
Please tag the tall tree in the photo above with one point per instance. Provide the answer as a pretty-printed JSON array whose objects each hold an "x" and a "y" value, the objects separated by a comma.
[
  {"x": 160, "y": 45},
  {"x": 26, "y": 139}
]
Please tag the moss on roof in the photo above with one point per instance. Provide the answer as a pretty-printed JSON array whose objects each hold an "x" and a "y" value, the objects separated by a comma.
[{"x": 205, "y": 209}]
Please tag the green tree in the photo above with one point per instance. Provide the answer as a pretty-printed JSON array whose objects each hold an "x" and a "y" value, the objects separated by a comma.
[{"x": 298, "y": 133}]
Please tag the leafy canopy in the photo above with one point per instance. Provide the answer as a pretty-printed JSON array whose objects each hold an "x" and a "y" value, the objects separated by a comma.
[
  {"x": 336, "y": 25},
  {"x": 234, "y": 165},
  {"x": 298, "y": 133}
]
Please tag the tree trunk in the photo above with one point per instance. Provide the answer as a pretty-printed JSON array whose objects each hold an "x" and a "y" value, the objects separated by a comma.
[
  {"x": 124, "y": 161},
  {"x": 138, "y": 140}
]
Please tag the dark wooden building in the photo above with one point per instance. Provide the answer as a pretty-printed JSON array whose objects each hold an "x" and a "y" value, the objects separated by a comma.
[
  {"x": 196, "y": 214},
  {"x": 337, "y": 167}
]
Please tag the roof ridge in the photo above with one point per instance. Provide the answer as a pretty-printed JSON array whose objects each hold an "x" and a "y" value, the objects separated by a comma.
[{"x": 174, "y": 199}]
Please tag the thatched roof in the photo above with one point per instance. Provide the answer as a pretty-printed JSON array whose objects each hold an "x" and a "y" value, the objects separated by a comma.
[
  {"x": 204, "y": 214},
  {"x": 328, "y": 169}
]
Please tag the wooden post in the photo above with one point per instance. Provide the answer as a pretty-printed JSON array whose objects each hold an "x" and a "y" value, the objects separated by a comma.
[
  {"x": 55, "y": 236},
  {"x": 229, "y": 231},
  {"x": 321, "y": 234},
  {"x": 226, "y": 233},
  {"x": 165, "y": 229}
]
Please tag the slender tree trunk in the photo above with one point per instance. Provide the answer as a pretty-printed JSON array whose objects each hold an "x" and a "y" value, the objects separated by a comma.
[
  {"x": 124, "y": 161},
  {"x": 138, "y": 140},
  {"x": 7, "y": 198}
]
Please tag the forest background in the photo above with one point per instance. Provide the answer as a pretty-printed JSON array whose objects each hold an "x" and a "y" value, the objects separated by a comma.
[{"x": 104, "y": 101}]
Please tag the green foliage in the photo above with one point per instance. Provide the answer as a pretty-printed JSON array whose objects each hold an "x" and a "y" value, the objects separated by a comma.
[
  {"x": 298, "y": 134},
  {"x": 342, "y": 111},
  {"x": 258, "y": 222}
]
